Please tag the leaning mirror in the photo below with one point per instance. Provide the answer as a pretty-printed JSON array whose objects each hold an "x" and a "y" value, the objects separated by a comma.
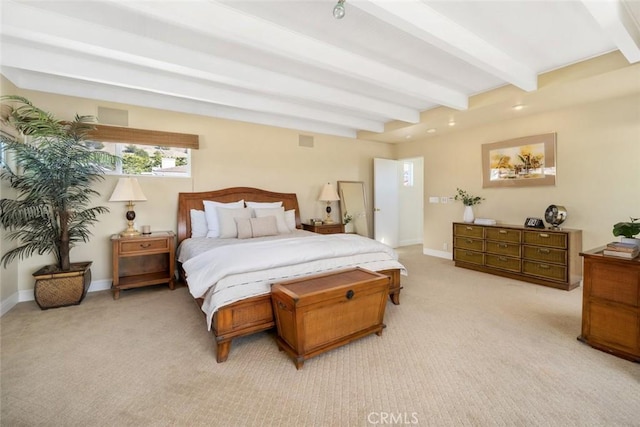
[{"x": 353, "y": 207}]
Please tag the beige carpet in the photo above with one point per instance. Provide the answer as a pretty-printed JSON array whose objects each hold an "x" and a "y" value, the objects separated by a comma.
[{"x": 463, "y": 349}]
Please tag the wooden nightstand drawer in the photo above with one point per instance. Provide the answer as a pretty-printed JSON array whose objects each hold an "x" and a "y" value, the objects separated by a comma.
[
  {"x": 135, "y": 246},
  {"x": 324, "y": 228}
]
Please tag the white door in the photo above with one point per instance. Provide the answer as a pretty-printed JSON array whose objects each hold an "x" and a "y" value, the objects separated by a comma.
[{"x": 386, "y": 198}]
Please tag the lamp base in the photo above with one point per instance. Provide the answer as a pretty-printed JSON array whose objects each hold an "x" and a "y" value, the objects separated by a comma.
[{"x": 130, "y": 231}]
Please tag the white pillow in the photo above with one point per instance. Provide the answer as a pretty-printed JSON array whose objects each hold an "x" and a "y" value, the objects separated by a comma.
[
  {"x": 198, "y": 223},
  {"x": 213, "y": 228},
  {"x": 278, "y": 213},
  {"x": 262, "y": 205},
  {"x": 290, "y": 219},
  {"x": 227, "y": 220}
]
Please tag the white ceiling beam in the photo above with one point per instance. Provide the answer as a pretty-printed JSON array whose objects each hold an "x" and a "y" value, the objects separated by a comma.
[
  {"x": 421, "y": 21},
  {"x": 614, "y": 17},
  {"x": 218, "y": 20},
  {"x": 44, "y": 82},
  {"x": 42, "y": 26},
  {"x": 19, "y": 55}
]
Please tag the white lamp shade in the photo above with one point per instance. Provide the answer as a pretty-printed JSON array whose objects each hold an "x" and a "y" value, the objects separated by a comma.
[
  {"x": 328, "y": 193},
  {"x": 127, "y": 190}
]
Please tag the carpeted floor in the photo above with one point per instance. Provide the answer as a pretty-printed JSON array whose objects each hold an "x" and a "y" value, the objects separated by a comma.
[{"x": 463, "y": 349}]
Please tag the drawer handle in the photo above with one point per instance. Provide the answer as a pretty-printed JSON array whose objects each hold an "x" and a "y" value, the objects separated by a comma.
[
  {"x": 544, "y": 251},
  {"x": 350, "y": 294},
  {"x": 503, "y": 259},
  {"x": 469, "y": 241},
  {"x": 467, "y": 253},
  {"x": 145, "y": 245},
  {"x": 469, "y": 228},
  {"x": 503, "y": 245},
  {"x": 502, "y": 231},
  {"x": 283, "y": 306},
  {"x": 543, "y": 235},
  {"x": 544, "y": 266}
]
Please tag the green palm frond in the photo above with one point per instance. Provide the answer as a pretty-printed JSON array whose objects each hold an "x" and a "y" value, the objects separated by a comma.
[{"x": 55, "y": 173}]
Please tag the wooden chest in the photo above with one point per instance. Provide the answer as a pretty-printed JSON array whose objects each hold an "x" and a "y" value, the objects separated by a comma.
[{"x": 318, "y": 313}]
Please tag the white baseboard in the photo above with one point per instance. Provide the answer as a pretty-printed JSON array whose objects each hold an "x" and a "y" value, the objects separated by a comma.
[
  {"x": 9, "y": 303},
  {"x": 27, "y": 295},
  {"x": 410, "y": 242},
  {"x": 439, "y": 254}
]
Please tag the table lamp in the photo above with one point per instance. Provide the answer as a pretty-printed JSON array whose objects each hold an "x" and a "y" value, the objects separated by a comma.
[
  {"x": 128, "y": 190},
  {"x": 328, "y": 195}
]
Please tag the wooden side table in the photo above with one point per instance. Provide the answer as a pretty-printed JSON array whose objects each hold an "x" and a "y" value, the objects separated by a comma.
[
  {"x": 143, "y": 260},
  {"x": 324, "y": 228}
]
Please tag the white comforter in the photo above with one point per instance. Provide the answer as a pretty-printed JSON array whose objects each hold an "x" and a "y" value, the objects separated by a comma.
[{"x": 237, "y": 269}]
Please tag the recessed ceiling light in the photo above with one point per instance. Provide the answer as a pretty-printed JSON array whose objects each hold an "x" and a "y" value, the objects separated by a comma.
[
  {"x": 452, "y": 122},
  {"x": 408, "y": 136},
  {"x": 518, "y": 107},
  {"x": 432, "y": 130}
]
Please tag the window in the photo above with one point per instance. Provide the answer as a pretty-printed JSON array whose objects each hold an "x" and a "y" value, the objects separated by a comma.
[
  {"x": 142, "y": 159},
  {"x": 407, "y": 174},
  {"x": 146, "y": 152}
]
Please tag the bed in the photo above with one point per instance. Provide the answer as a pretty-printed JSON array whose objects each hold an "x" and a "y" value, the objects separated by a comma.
[{"x": 250, "y": 314}]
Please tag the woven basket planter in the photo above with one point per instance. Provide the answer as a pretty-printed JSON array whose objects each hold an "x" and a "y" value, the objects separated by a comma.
[{"x": 60, "y": 289}]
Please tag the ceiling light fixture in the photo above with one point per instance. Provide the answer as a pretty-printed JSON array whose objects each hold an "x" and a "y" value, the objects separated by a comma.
[
  {"x": 518, "y": 107},
  {"x": 432, "y": 130},
  {"x": 338, "y": 10},
  {"x": 452, "y": 122}
]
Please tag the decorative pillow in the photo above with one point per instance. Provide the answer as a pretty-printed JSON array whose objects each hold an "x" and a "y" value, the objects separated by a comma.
[
  {"x": 262, "y": 205},
  {"x": 278, "y": 213},
  {"x": 227, "y": 220},
  {"x": 256, "y": 227},
  {"x": 213, "y": 229},
  {"x": 290, "y": 219},
  {"x": 244, "y": 228},
  {"x": 198, "y": 223}
]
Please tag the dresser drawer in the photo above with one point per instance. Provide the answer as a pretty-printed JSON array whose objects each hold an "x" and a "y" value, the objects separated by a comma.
[
  {"x": 503, "y": 235},
  {"x": 502, "y": 248},
  {"x": 468, "y": 231},
  {"x": 503, "y": 262},
  {"x": 470, "y": 257},
  {"x": 469, "y": 243},
  {"x": 544, "y": 270},
  {"x": 537, "y": 253},
  {"x": 545, "y": 238},
  {"x": 134, "y": 246}
]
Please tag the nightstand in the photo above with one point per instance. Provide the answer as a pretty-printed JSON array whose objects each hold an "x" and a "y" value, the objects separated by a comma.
[
  {"x": 144, "y": 260},
  {"x": 324, "y": 228}
]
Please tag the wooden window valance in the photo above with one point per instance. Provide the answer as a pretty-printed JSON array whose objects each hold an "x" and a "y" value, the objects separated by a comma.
[{"x": 142, "y": 136}]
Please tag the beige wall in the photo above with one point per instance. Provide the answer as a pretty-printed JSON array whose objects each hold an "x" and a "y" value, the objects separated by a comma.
[
  {"x": 598, "y": 171},
  {"x": 231, "y": 154}
]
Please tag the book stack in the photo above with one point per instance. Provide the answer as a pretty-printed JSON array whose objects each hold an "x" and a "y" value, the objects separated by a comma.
[{"x": 622, "y": 250}]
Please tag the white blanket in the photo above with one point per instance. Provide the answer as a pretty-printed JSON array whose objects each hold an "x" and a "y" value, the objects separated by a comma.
[{"x": 233, "y": 272}]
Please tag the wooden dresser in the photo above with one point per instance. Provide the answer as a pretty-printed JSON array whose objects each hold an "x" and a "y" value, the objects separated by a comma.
[
  {"x": 335, "y": 228},
  {"x": 318, "y": 313},
  {"x": 543, "y": 256},
  {"x": 611, "y": 304}
]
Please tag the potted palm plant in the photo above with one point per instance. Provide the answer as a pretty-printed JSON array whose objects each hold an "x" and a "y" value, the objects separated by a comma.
[{"x": 53, "y": 175}]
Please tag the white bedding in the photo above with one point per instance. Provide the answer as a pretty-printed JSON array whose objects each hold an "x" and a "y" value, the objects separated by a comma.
[{"x": 223, "y": 271}]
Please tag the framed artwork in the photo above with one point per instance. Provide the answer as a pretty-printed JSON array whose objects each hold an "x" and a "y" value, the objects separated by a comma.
[{"x": 521, "y": 162}]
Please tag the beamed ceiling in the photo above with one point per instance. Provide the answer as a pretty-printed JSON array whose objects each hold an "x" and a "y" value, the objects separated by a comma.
[{"x": 290, "y": 64}]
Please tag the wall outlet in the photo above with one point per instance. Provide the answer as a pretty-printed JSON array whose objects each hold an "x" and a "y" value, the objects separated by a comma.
[
  {"x": 451, "y": 199},
  {"x": 444, "y": 199},
  {"x": 445, "y": 246},
  {"x": 433, "y": 199}
]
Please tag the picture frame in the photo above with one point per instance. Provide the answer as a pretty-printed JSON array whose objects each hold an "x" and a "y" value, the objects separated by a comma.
[{"x": 520, "y": 162}]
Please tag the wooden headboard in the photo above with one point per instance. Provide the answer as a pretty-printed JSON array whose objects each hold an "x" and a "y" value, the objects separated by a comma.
[{"x": 188, "y": 201}]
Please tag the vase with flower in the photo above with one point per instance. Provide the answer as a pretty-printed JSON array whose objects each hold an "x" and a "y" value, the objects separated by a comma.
[{"x": 468, "y": 201}]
